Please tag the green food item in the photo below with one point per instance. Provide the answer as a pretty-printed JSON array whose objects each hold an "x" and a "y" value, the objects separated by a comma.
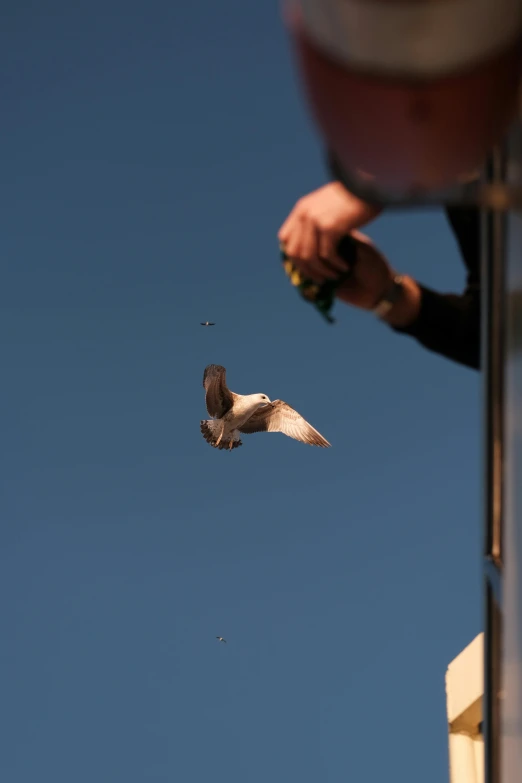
[{"x": 322, "y": 296}]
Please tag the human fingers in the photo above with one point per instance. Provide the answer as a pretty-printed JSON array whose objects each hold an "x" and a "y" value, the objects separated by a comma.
[
  {"x": 318, "y": 271},
  {"x": 300, "y": 239},
  {"x": 305, "y": 244},
  {"x": 328, "y": 244}
]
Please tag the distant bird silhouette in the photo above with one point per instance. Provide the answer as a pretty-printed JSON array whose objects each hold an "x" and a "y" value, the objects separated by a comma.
[
  {"x": 220, "y": 639},
  {"x": 207, "y": 323}
]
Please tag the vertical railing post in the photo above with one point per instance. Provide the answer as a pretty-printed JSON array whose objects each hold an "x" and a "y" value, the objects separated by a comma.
[
  {"x": 511, "y": 534},
  {"x": 493, "y": 226}
]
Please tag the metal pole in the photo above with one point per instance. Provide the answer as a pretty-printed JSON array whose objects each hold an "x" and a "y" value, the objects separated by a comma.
[
  {"x": 510, "y": 700},
  {"x": 493, "y": 224}
]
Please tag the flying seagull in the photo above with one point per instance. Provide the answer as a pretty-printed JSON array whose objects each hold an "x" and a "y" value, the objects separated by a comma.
[
  {"x": 246, "y": 413},
  {"x": 207, "y": 323},
  {"x": 220, "y": 639}
]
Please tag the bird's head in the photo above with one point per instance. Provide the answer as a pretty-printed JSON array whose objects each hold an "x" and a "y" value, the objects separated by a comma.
[{"x": 262, "y": 399}]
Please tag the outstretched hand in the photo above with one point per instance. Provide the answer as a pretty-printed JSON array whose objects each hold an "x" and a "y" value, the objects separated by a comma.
[
  {"x": 311, "y": 234},
  {"x": 316, "y": 224}
]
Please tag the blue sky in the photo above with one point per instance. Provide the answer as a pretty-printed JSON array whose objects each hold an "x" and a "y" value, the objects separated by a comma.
[{"x": 149, "y": 155}]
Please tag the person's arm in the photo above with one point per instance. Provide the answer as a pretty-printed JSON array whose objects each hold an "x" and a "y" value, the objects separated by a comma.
[
  {"x": 448, "y": 324},
  {"x": 445, "y": 323}
]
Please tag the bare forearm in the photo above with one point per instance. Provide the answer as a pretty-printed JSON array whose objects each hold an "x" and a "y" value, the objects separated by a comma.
[{"x": 403, "y": 312}]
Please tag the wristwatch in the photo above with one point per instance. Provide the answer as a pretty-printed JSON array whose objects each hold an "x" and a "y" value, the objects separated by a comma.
[{"x": 384, "y": 305}]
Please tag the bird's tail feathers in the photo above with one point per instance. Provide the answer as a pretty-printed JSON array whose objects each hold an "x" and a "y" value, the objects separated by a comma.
[{"x": 212, "y": 429}]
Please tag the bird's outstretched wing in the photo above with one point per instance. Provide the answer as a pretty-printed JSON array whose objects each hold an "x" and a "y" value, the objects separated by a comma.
[
  {"x": 219, "y": 399},
  {"x": 280, "y": 417}
]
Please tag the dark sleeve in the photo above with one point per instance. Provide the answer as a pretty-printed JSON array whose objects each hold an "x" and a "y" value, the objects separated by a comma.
[{"x": 449, "y": 324}]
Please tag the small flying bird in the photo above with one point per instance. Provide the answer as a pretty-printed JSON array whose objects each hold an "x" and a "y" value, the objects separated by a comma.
[
  {"x": 246, "y": 413},
  {"x": 207, "y": 323},
  {"x": 220, "y": 639}
]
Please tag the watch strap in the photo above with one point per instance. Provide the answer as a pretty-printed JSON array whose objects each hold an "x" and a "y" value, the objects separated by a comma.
[{"x": 384, "y": 305}]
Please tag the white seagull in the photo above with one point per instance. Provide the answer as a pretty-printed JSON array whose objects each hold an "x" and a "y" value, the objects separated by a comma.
[
  {"x": 220, "y": 639},
  {"x": 246, "y": 413}
]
